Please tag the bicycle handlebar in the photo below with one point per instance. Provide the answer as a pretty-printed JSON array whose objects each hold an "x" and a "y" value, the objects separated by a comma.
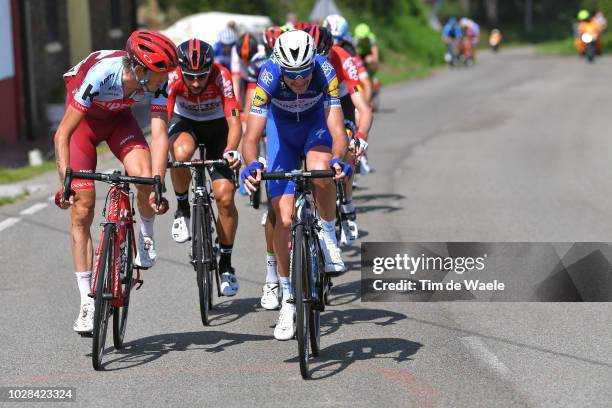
[
  {"x": 113, "y": 178},
  {"x": 197, "y": 163},
  {"x": 297, "y": 174}
]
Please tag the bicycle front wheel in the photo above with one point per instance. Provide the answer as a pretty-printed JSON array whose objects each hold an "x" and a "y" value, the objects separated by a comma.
[
  {"x": 300, "y": 271},
  {"x": 120, "y": 314},
  {"x": 104, "y": 285},
  {"x": 199, "y": 259}
]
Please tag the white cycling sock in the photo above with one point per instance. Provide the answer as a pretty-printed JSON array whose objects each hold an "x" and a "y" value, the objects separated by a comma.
[
  {"x": 348, "y": 207},
  {"x": 286, "y": 285},
  {"x": 271, "y": 276},
  {"x": 84, "y": 283},
  {"x": 329, "y": 230},
  {"x": 146, "y": 225}
]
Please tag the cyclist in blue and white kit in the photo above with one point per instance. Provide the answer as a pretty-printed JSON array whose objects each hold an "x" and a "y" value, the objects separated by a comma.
[
  {"x": 296, "y": 103},
  {"x": 223, "y": 47}
]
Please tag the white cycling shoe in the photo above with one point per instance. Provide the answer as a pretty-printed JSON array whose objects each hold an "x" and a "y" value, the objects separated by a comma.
[
  {"x": 285, "y": 325},
  {"x": 85, "y": 321},
  {"x": 229, "y": 284},
  {"x": 333, "y": 254},
  {"x": 269, "y": 297},
  {"x": 364, "y": 165},
  {"x": 349, "y": 232},
  {"x": 146, "y": 252},
  {"x": 180, "y": 228}
]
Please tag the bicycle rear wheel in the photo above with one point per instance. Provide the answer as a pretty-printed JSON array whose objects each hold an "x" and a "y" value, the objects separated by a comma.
[
  {"x": 319, "y": 295},
  {"x": 300, "y": 271},
  {"x": 120, "y": 314},
  {"x": 199, "y": 256},
  {"x": 104, "y": 285}
]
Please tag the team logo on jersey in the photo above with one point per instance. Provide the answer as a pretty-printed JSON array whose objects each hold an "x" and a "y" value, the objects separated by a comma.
[
  {"x": 332, "y": 89},
  {"x": 266, "y": 77},
  {"x": 327, "y": 68},
  {"x": 350, "y": 68},
  {"x": 89, "y": 94},
  {"x": 260, "y": 98}
]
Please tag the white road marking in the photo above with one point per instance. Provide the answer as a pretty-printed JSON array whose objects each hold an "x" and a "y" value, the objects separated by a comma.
[
  {"x": 481, "y": 351},
  {"x": 33, "y": 209},
  {"x": 9, "y": 222}
]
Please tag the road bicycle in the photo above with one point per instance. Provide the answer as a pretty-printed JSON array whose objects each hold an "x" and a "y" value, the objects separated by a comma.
[{"x": 113, "y": 277}]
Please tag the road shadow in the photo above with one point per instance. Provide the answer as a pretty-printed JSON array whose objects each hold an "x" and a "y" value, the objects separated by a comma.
[
  {"x": 148, "y": 349},
  {"x": 338, "y": 357},
  {"x": 360, "y": 209},
  {"x": 370, "y": 197},
  {"x": 333, "y": 320},
  {"x": 345, "y": 293},
  {"x": 229, "y": 311}
]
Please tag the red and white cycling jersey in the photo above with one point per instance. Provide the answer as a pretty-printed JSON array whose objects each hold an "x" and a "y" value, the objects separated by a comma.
[
  {"x": 346, "y": 71},
  {"x": 98, "y": 89},
  {"x": 216, "y": 100}
]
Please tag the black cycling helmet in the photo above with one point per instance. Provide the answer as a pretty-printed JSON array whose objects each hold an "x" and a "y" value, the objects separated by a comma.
[
  {"x": 195, "y": 56},
  {"x": 322, "y": 37},
  {"x": 246, "y": 46}
]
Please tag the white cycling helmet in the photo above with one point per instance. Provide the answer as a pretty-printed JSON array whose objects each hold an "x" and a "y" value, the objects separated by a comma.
[
  {"x": 337, "y": 25},
  {"x": 227, "y": 36},
  {"x": 295, "y": 49}
]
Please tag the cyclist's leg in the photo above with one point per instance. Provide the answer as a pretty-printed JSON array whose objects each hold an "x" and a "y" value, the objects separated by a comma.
[
  {"x": 182, "y": 148},
  {"x": 83, "y": 158},
  {"x": 318, "y": 156},
  {"x": 213, "y": 134},
  {"x": 129, "y": 145}
]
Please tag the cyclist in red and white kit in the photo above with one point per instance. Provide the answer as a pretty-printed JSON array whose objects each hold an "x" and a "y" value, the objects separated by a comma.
[
  {"x": 352, "y": 100},
  {"x": 101, "y": 90},
  {"x": 201, "y": 97}
]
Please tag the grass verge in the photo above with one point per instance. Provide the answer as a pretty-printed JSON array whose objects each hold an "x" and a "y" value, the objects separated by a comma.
[{"x": 8, "y": 175}]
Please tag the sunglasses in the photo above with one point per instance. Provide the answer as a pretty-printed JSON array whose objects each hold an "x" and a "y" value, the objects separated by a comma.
[
  {"x": 298, "y": 74},
  {"x": 195, "y": 77}
]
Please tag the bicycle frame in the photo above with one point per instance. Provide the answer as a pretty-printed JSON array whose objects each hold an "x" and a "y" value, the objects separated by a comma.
[{"x": 118, "y": 211}]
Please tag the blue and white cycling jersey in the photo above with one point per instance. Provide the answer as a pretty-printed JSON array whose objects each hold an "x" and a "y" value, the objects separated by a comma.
[
  {"x": 273, "y": 96},
  {"x": 221, "y": 57},
  {"x": 295, "y": 123}
]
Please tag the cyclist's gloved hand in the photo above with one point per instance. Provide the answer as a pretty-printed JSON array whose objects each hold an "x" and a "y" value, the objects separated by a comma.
[
  {"x": 164, "y": 206},
  {"x": 233, "y": 158},
  {"x": 245, "y": 175},
  {"x": 59, "y": 199},
  {"x": 341, "y": 167}
]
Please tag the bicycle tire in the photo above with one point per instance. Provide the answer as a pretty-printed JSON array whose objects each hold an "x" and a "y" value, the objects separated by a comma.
[
  {"x": 199, "y": 254},
  {"x": 319, "y": 290},
  {"x": 211, "y": 265},
  {"x": 103, "y": 283},
  {"x": 120, "y": 314},
  {"x": 300, "y": 272}
]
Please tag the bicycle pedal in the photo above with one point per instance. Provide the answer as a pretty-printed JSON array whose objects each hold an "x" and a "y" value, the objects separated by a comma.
[{"x": 291, "y": 301}]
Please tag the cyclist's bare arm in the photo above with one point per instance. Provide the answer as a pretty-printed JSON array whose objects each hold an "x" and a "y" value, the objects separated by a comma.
[
  {"x": 159, "y": 143},
  {"x": 70, "y": 121},
  {"x": 375, "y": 54},
  {"x": 335, "y": 124},
  {"x": 255, "y": 128},
  {"x": 234, "y": 135},
  {"x": 365, "y": 113}
]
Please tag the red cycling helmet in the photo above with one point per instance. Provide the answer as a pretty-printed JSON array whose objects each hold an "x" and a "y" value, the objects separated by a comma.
[
  {"x": 269, "y": 38},
  {"x": 152, "y": 50},
  {"x": 322, "y": 38}
]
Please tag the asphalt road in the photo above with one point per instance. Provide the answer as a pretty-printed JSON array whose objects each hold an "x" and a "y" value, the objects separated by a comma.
[{"x": 516, "y": 148}]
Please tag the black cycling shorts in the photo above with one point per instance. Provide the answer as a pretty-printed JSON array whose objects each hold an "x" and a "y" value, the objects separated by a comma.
[
  {"x": 210, "y": 133},
  {"x": 349, "y": 112}
]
